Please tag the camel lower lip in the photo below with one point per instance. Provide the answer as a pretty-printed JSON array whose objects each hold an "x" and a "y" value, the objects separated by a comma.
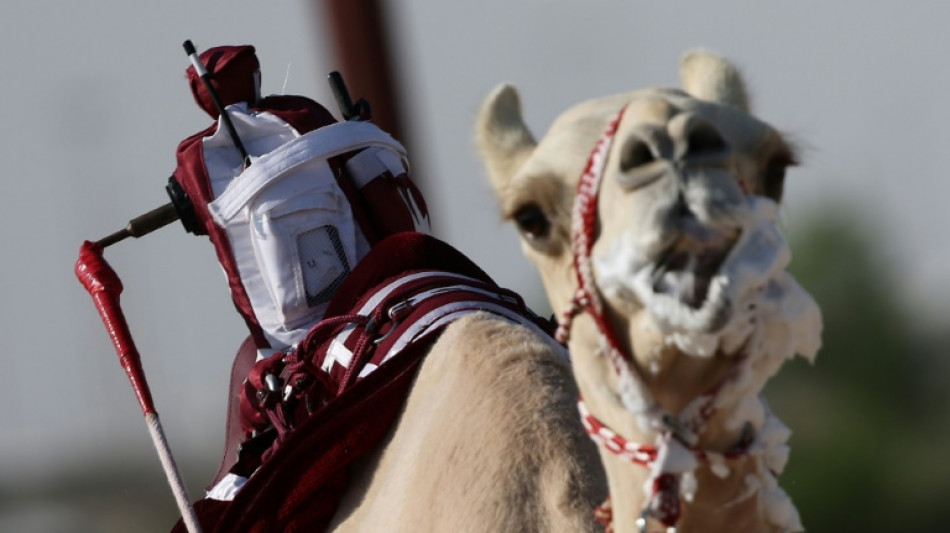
[{"x": 687, "y": 275}]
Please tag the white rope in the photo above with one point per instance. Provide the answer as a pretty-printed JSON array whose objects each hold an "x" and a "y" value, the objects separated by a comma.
[{"x": 172, "y": 473}]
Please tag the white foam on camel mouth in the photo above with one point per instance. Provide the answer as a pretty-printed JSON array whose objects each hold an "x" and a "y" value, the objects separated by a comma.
[
  {"x": 750, "y": 282},
  {"x": 752, "y": 305}
]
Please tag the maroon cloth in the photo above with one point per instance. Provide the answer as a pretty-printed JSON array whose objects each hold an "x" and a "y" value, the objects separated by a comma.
[
  {"x": 243, "y": 362},
  {"x": 300, "y": 482},
  {"x": 232, "y": 70},
  {"x": 378, "y": 199},
  {"x": 299, "y": 488},
  {"x": 401, "y": 253},
  {"x": 397, "y": 311}
]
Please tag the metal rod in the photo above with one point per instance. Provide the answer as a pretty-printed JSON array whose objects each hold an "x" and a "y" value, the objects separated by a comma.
[
  {"x": 341, "y": 94},
  {"x": 143, "y": 224},
  {"x": 206, "y": 78}
]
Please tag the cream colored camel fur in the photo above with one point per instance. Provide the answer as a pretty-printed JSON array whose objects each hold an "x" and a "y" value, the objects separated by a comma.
[
  {"x": 689, "y": 191},
  {"x": 489, "y": 442}
]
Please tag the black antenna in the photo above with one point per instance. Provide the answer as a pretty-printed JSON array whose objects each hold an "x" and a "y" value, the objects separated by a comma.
[
  {"x": 206, "y": 78},
  {"x": 350, "y": 111}
]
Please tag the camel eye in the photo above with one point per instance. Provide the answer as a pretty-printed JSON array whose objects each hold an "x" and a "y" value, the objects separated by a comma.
[
  {"x": 773, "y": 175},
  {"x": 774, "y": 181},
  {"x": 532, "y": 221}
]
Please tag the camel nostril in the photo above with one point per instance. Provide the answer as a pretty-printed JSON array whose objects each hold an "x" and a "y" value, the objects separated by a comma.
[
  {"x": 636, "y": 152},
  {"x": 681, "y": 209},
  {"x": 704, "y": 139}
]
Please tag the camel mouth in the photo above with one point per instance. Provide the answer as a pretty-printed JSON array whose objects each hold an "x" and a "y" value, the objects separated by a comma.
[
  {"x": 701, "y": 280},
  {"x": 685, "y": 273}
]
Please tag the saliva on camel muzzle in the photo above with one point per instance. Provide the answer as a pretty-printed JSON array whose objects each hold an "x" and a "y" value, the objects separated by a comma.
[{"x": 688, "y": 209}]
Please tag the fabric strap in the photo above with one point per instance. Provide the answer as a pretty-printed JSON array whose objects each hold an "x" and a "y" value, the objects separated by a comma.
[{"x": 322, "y": 143}]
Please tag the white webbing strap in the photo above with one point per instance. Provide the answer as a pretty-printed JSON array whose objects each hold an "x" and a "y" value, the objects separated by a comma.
[
  {"x": 338, "y": 353},
  {"x": 322, "y": 143}
]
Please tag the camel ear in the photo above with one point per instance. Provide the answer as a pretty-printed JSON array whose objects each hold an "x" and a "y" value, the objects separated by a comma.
[
  {"x": 710, "y": 77},
  {"x": 502, "y": 137}
]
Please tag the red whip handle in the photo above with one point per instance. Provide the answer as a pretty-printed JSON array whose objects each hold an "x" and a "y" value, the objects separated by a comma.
[{"x": 104, "y": 286}]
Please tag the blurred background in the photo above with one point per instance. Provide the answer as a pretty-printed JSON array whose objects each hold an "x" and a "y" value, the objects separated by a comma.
[{"x": 94, "y": 103}]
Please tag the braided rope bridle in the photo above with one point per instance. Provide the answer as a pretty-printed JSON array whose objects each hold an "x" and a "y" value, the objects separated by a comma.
[{"x": 663, "y": 503}]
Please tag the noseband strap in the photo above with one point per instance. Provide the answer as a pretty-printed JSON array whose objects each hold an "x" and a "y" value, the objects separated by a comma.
[{"x": 583, "y": 235}]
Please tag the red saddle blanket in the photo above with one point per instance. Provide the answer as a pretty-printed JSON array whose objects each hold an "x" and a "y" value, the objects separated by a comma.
[{"x": 305, "y": 415}]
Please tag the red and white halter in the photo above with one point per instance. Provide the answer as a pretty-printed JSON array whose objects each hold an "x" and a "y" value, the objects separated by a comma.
[{"x": 664, "y": 501}]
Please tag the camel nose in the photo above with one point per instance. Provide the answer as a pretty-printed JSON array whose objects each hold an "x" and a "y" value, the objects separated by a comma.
[{"x": 694, "y": 233}]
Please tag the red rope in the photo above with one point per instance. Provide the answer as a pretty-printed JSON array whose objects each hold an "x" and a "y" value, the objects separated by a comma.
[{"x": 664, "y": 503}]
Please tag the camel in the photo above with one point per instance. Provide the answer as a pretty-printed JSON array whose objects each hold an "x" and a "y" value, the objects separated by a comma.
[
  {"x": 685, "y": 271},
  {"x": 489, "y": 441},
  {"x": 651, "y": 218}
]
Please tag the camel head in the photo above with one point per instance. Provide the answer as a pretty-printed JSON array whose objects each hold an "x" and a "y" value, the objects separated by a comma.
[
  {"x": 683, "y": 251},
  {"x": 674, "y": 199}
]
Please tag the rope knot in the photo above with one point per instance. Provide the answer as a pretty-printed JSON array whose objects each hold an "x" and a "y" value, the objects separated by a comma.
[{"x": 578, "y": 304}]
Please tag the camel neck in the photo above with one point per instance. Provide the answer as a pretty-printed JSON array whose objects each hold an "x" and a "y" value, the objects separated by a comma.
[{"x": 684, "y": 479}]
